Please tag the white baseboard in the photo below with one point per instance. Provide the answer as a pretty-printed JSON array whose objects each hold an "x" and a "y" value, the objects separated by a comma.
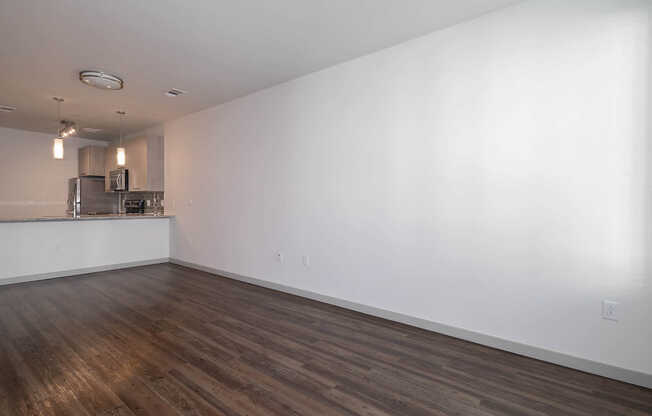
[
  {"x": 75, "y": 272},
  {"x": 577, "y": 363}
]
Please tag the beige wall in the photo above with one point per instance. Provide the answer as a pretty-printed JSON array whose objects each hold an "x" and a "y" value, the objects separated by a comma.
[
  {"x": 32, "y": 183},
  {"x": 493, "y": 176}
]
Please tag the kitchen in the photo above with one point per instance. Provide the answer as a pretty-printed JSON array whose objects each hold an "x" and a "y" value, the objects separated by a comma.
[
  {"x": 109, "y": 215},
  {"x": 134, "y": 186}
]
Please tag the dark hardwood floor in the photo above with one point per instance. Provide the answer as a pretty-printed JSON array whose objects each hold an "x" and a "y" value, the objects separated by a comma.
[{"x": 167, "y": 340}]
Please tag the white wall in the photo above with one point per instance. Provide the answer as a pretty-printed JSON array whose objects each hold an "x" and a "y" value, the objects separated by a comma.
[
  {"x": 55, "y": 247},
  {"x": 493, "y": 176},
  {"x": 32, "y": 182}
]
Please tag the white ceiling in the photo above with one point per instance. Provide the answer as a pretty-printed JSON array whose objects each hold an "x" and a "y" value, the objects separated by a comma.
[{"x": 217, "y": 50}]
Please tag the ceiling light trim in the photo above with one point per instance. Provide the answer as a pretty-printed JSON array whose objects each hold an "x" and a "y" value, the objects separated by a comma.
[{"x": 101, "y": 80}]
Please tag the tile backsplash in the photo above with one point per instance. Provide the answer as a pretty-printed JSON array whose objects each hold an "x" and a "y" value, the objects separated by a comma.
[{"x": 148, "y": 197}]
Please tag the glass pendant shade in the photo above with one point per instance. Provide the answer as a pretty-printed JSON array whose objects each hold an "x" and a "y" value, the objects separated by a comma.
[
  {"x": 57, "y": 145},
  {"x": 57, "y": 148},
  {"x": 120, "y": 155}
]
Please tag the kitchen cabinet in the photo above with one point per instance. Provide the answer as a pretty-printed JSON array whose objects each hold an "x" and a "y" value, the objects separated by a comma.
[
  {"x": 155, "y": 162},
  {"x": 136, "y": 150},
  {"x": 91, "y": 161},
  {"x": 144, "y": 160}
]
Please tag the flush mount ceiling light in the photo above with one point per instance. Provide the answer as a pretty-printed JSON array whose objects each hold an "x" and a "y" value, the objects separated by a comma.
[{"x": 99, "y": 79}]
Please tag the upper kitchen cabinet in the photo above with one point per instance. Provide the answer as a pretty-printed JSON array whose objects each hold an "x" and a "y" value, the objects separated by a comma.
[
  {"x": 155, "y": 163},
  {"x": 145, "y": 163},
  {"x": 91, "y": 161}
]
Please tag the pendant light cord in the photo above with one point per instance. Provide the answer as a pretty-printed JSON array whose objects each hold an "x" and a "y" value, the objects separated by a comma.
[
  {"x": 121, "y": 113},
  {"x": 59, "y": 101}
]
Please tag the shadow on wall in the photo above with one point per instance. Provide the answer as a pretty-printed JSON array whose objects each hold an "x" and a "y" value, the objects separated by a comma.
[{"x": 647, "y": 188}]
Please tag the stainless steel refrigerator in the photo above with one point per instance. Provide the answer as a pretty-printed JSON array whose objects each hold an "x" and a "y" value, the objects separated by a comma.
[{"x": 86, "y": 196}]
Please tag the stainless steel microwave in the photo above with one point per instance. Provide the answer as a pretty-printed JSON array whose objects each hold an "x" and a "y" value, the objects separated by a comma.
[{"x": 119, "y": 180}]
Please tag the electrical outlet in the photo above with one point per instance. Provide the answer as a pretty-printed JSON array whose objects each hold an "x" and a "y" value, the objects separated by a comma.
[
  {"x": 306, "y": 261},
  {"x": 279, "y": 257},
  {"x": 610, "y": 310}
]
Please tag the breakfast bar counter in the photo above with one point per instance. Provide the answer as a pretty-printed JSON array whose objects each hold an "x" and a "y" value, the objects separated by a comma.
[
  {"x": 47, "y": 247},
  {"x": 94, "y": 217}
]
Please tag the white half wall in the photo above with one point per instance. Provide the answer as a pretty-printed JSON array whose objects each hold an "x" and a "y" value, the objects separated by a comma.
[
  {"x": 32, "y": 182},
  {"x": 37, "y": 250},
  {"x": 492, "y": 177}
]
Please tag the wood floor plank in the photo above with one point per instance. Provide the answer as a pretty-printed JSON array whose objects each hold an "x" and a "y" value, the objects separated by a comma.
[
  {"x": 169, "y": 340},
  {"x": 145, "y": 365}
]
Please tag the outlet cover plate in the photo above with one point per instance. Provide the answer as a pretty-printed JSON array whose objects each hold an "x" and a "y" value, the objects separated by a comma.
[{"x": 610, "y": 310}]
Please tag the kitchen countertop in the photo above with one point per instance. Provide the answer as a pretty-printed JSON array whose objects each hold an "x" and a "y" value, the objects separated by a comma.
[{"x": 85, "y": 217}]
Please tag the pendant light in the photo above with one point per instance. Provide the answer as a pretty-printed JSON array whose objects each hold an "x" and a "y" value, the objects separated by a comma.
[
  {"x": 120, "y": 151},
  {"x": 57, "y": 146},
  {"x": 67, "y": 128}
]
